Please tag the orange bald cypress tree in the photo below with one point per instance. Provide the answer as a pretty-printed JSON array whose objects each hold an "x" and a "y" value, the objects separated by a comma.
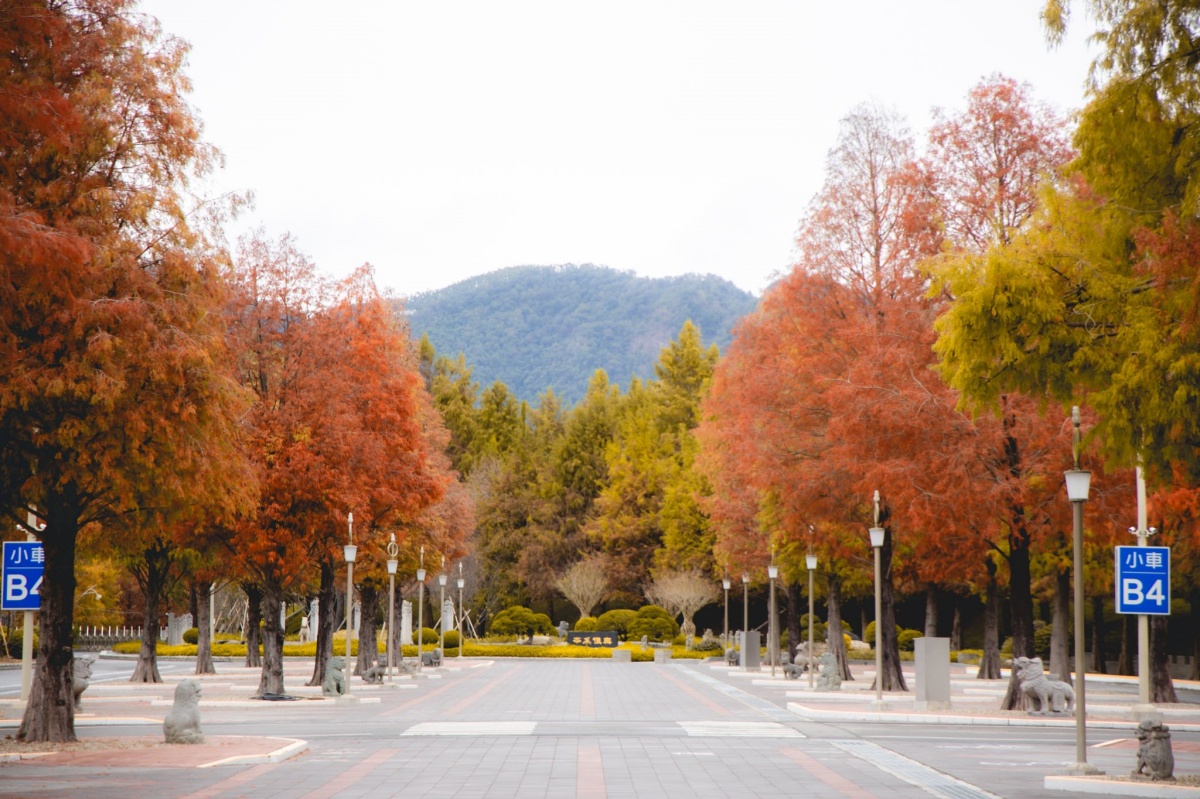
[{"x": 112, "y": 394}]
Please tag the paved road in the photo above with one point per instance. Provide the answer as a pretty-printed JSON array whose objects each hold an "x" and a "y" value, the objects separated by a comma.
[{"x": 562, "y": 728}]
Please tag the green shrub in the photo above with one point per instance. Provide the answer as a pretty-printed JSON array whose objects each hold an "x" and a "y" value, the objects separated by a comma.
[
  {"x": 15, "y": 639},
  {"x": 967, "y": 656},
  {"x": 521, "y": 621},
  {"x": 653, "y": 622},
  {"x": 905, "y": 639},
  {"x": 587, "y": 624},
  {"x": 429, "y": 636},
  {"x": 1042, "y": 631},
  {"x": 451, "y": 639},
  {"x": 617, "y": 620},
  {"x": 191, "y": 635}
]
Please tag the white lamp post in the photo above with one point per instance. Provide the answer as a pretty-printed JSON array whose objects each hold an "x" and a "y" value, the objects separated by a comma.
[
  {"x": 442, "y": 608},
  {"x": 350, "y": 551},
  {"x": 726, "y": 584},
  {"x": 745, "y": 610},
  {"x": 461, "y": 582},
  {"x": 772, "y": 631},
  {"x": 877, "y": 535},
  {"x": 1144, "y": 709},
  {"x": 1078, "y": 483},
  {"x": 420, "y": 606},
  {"x": 810, "y": 560},
  {"x": 392, "y": 564}
]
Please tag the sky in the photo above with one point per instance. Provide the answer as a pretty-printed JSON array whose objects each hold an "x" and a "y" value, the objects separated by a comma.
[{"x": 439, "y": 141}]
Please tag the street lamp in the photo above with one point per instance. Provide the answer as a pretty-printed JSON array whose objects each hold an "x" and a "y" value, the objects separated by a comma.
[
  {"x": 420, "y": 606},
  {"x": 349, "y": 550},
  {"x": 442, "y": 608},
  {"x": 810, "y": 560},
  {"x": 392, "y": 564},
  {"x": 1078, "y": 483},
  {"x": 726, "y": 584},
  {"x": 461, "y": 583},
  {"x": 772, "y": 632},
  {"x": 877, "y": 535}
]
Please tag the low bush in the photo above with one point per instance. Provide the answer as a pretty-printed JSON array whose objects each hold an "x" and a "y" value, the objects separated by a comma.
[
  {"x": 521, "y": 621},
  {"x": 191, "y": 635},
  {"x": 617, "y": 620},
  {"x": 587, "y": 624},
  {"x": 429, "y": 636},
  {"x": 451, "y": 639},
  {"x": 907, "y": 638},
  {"x": 653, "y": 622}
]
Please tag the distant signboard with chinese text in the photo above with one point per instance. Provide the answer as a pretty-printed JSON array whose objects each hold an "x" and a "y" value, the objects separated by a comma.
[
  {"x": 22, "y": 575},
  {"x": 1144, "y": 580},
  {"x": 609, "y": 639}
]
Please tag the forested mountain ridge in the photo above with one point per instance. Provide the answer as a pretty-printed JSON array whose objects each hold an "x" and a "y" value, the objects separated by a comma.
[{"x": 539, "y": 327}]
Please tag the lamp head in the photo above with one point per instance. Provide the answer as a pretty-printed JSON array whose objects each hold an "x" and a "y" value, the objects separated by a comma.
[
  {"x": 877, "y": 534},
  {"x": 772, "y": 571},
  {"x": 461, "y": 583},
  {"x": 726, "y": 584},
  {"x": 350, "y": 551},
  {"x": 810, "y": 561},
  {"x": 1079, "y": 481},
  {"x": 392, "y": 564},
  {"x": 420, "y": 575},
  {"x": 745, "y": 579},
  {"x": 442, "y": 580}
]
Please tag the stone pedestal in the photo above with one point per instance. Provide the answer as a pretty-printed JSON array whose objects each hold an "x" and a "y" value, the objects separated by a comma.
[
  {"x": 622, "y": 655},
  {"x": 751, "y": 657},
  {"x": 406, "y": 632},
  {"x": 662, "y": 655},
  {"x": 933, "y": 673}
]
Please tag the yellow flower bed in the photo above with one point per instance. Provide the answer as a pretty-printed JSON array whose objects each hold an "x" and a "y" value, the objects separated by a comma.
[{"x": 309, "y": 650}]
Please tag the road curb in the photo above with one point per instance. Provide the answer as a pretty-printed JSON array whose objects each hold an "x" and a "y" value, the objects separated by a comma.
[{"x": 287, "y": 752}]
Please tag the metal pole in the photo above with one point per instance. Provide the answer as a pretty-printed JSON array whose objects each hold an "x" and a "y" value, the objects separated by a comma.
[
  {"x": 420, "y": 606},
  {"x": 725, "y": 632},
  {"x": 878, "y": 630},
  {"x": 462, "y": 643},
  {"x": 1143, "y": 619},
  {"x": 745, "y": 608},
  {"x": 391, "y": 630},
  {"x": 772, "y": 646},
  {"x": 1081, "y": 765},
  {"x": 349, "y": 590},
  {"x": 810, "y": 627}
]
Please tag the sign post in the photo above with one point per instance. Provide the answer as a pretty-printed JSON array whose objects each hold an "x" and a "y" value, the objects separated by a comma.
[{"x": 23, "y": 563}]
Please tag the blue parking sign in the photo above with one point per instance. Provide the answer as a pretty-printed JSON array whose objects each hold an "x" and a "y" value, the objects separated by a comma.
[
  {"x": 1144, "y": 580},
  {"x": 24, "y": 563}
]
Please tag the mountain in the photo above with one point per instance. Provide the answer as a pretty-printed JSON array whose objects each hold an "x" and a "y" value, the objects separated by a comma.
[{"x": 539, "y": 327}]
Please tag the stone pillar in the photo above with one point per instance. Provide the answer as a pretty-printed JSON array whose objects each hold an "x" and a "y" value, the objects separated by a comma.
[
  {"x": 356, "y": 617},
  {"x": 406, "y": 631},
  {"x": 751, "y": 657},
  {"x": 933, "y": 673},
  {"x": 314, "y": 617},
  {"x": 447, "y": 616}
]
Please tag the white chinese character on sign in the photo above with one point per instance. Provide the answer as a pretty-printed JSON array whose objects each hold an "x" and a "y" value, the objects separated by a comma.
[
  {"x": 39, "y": 555},
  {"x": 1154, "y": 560},
  {"x": 1133, "y": 558}
]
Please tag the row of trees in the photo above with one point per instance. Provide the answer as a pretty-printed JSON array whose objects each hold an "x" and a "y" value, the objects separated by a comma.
[
  {"x": 195, "y": 411},
  {"x": 944, "y": 310}
]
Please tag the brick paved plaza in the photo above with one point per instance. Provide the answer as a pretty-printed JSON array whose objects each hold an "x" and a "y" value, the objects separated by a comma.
[{"x": 564, "y": 728}]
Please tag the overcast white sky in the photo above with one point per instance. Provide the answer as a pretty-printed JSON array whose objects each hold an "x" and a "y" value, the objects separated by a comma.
[{"x": 444, "y": 140}]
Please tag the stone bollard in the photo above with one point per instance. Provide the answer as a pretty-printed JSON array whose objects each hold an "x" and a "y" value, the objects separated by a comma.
[
  {"x": 622, "y": 655},
  {"x": 1154, "y": 754},
  {"x": 662, "y": 655},
  {"x": 182, "y": 724}
]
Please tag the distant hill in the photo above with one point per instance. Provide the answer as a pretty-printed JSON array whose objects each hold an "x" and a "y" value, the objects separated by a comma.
[{"x": 534, "y": 327}]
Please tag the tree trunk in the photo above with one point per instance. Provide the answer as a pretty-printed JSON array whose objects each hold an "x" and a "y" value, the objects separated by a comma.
[
  {"x": 1162, "y": 689},
  {"x": 1194, "y": 599},
  {"x": 326, "y": 622},
  {"x": 202, "y": 591},
  {"x": 794, "y": 612},
  {"x": 834, "y": 641},
  {"x": 153, "y": 581},
  {"x": 271, "y": 681},
  {"x": 1060, "y": 631},
  {"x": 893, "y": 677},
  {"x": 989, "y": 666},
  {"x": 931, "y": 611},
  {"x": 1099, "y": 652},
  {"x": 956, "y": 625},
  {"x": 50, "y": 712},
  {"x": 254, "y": 610},
  {"x": 1021, "y": 606},
  {"x": 368, "y": 637},
  {"x": 1128, "y": 637}
]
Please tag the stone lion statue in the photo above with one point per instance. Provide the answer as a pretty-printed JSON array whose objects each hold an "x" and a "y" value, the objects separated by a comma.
[
  {"x": 81, "y": 673},
  {"x": 792, "y": 670},
  {"x": 375, "y": 674},
  {"x": 334, "y": 683},
  {"x": 1049, "y": 696},
  {"x": 829, "y": 675},
  {"x": 1154, "y": 754},
  {"x": 732, "y": 657},
  {"x": 182, "y": 724}
]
